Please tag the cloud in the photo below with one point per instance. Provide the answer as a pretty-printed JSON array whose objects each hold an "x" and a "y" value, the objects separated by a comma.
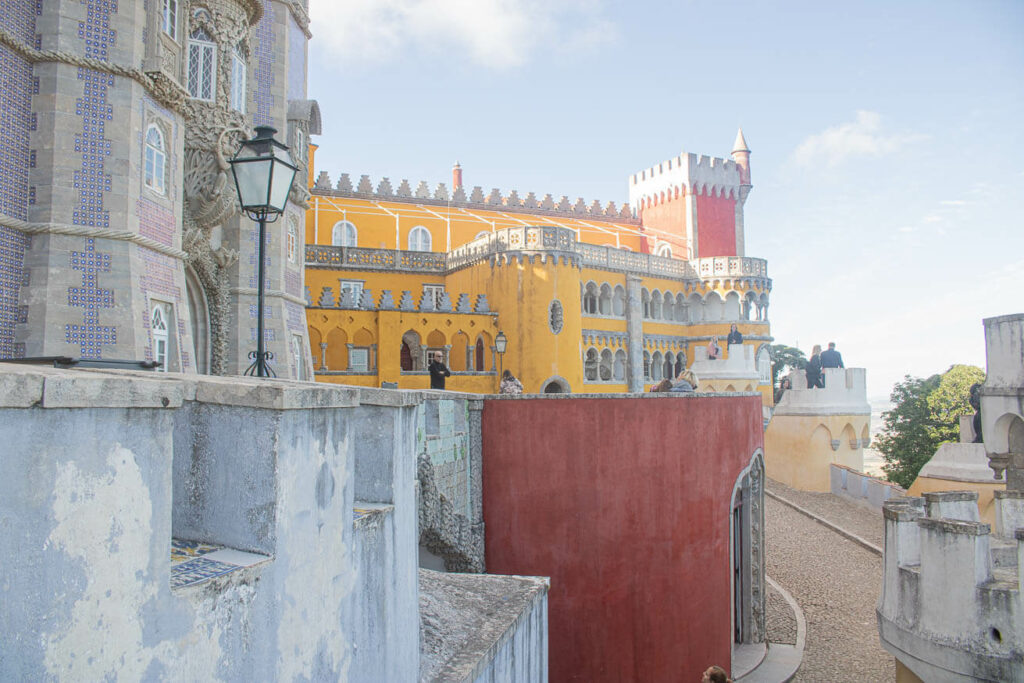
[
  {"x": 496, "y": 34},
  {"x": 953, "y": 202},
  {"x": 860, "y": 138}
]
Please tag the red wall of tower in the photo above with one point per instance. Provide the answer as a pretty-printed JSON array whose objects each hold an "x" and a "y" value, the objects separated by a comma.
[
  {"x": 631, "y": 524},
  {"x": 716, "y": 226},
  {"x": 668, "y": 217}
]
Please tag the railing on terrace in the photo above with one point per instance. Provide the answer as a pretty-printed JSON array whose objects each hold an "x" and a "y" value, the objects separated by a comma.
[{"x": 533, "y": 239}]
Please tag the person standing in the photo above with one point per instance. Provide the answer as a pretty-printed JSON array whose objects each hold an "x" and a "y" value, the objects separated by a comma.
[
  {"x": 832, "y": 358},
  {"x": 814, "y": 378},
  {"x": 438, "y": 371},
  {"x": 735, "y": 336}
]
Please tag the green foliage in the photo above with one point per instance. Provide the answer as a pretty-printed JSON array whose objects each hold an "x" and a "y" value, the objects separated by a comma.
[
  {"x": 926, "y": 414},
  {"x": 785, "y": 357}
]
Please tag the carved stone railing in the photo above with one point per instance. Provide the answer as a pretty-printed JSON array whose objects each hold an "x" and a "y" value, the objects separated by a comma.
[
  {"x": 530, "y": 240},
  {"x": 730, "y": 266},
  {"x": 375, "y": 259}
]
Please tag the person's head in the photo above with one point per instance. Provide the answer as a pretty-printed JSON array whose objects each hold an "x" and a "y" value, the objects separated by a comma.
[
  {"x": 438, "y": 356},
  {"x": 816, "y": 349},
  {"x": 688, "y": 376},
  {"x": 715, "y": 674},
  {"x": 785, "y": 383},
  {"x": 714, "y": 340},
  {"x": 831, "y": 346},
  {"x": 663, "y": 385},
  {"x": 732, "y": 328},
  {"x": 506, "y": 375}
]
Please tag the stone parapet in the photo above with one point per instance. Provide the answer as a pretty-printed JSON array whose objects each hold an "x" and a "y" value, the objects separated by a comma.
[
  {"x": 844, "y": 393},
  {"x": 1002, "y": 398},
  {"x": 948, "y": 611}
]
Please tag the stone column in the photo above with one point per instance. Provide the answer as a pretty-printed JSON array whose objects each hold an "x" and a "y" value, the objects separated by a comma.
[{"x": 634, "y": 335}]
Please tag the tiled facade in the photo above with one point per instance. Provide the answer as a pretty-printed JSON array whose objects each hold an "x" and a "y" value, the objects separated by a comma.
[{"x": 104, "y": 243}]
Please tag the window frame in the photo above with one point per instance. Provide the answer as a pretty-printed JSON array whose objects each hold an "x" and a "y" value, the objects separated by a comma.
[
  {"x": 169, "y": 19},
  {"x": 154, "y": 160},
  {"x": 200, "y": 43},
  {"x": 355, "y": 351},
  {"x": 420, "y": 230},
  {"x": 239, "y": 81},
  {"x": 347, "y": 224},
  {"x": 436, "y": 292}
]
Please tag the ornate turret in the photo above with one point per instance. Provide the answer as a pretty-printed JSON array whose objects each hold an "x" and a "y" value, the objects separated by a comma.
[
  {"x": 741, "y": 155},
  {"x": 456, "y": 176}
]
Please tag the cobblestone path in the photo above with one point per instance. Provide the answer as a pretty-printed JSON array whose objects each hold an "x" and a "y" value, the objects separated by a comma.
[{"x": 837, "y": 584}]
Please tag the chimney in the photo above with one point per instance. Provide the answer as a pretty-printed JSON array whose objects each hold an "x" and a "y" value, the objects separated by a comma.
[{"x": 456, "y": 176}]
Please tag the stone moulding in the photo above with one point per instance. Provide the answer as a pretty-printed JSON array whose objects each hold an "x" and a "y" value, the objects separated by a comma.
[
  {"x": 88, "y": 231},
  {"x": 163, "y": 89}
]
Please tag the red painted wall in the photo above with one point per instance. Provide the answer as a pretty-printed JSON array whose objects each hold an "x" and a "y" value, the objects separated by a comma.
[
  {"x": 668, "y": 217},
  {"x": 716, "y": 226},
  {"x": 625, "y": 504}
]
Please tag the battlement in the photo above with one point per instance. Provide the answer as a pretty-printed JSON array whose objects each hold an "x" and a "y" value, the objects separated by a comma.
[
  {"x": 1002, "y": 398},
  {"x": 495, "y": 201},
  {"x": 687, "y": 173},
  {"x": 844, "y": 393},
  {"x": 951, "y": 605}
]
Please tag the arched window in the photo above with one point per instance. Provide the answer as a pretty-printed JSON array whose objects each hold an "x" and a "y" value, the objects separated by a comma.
[
  {"x": 656, "y": 305},
  {"x": 664, "y": 250},
  {"x": 158, "y": 325},
  {"x": 657, "y": 367},
  {"x": 669, "y": 366},
  {"x": 620, "y": 366},
  {"x": 169, "y": 18},
  {"x": 482, "y": 233},
  {"x": 202, "y": 66},
  {"x": 604, "y": 303},
  {"x": 479, "y": 356},
  {"x": 239, "y": 74},
  {"x": 645, "y": 300},
  {"x": 590, "y": 365},
  {"x": 344, "y": 234},
  {"x": 605, "y": 369},
  {"x": 419, "y": 239},
  {"x": 619, "y": 301},
  {"x": 156, "y": 159},
  {"x": 293, "y": 241},
  {"x": 647, "y": 366},
  {"x": 590, "y": 298}
]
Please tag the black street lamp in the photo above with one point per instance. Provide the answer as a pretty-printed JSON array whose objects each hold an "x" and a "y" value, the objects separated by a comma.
[
  {"x": 264, "y": 172},
  {"x": 500, "y": 344}
]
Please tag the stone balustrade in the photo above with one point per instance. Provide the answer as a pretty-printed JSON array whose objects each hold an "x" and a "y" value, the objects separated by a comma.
[
  {"x": 560, "y": 243},
  {"x": 844, "y": 393}
]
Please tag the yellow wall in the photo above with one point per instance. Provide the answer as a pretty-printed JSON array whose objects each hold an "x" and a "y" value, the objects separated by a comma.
[
  {"x": 986, "y": 493},
  {"x": 520, "y": 294},
  {"x": 798, "y": 448}
]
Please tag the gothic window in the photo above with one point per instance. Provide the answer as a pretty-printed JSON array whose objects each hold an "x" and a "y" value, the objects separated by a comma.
[
  {"x": 645, "y": 300},
  {"x": 657, "y": 366},
  {"x": 158, "y": 326},
  {"x": 202, "y": 66},
  {"x": 555, "y": 316},
  {"x": 169, "y": 18},
  {"x": 604, "y": 302},
  {"x": 605, "y": 369},
  {"x": 419, "y": 239},
  {"x": 293, "y": 241},
  {"x": 655, "y": 307},
  {"x": 156, "y": 159},
  {"x": 590, "y": 365},
  {"x": 344, "y": 234},
  {"x": 764, "y": 365},
  {"x": 669, "y": 366},
  {"x": 239, "y": 73},
  {"x": 619, "y": 301},
  {"x": 298, "y": 366},
  {"x": 479, "y": 355},
  {"x": 647, "y": 366},
  {"x": 619, "y": 370},
  {"x": 590, "y": 299},
  {"x": 664, "y": 250}
]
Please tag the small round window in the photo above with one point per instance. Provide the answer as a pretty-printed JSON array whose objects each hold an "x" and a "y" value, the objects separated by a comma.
[{"x": 555, "y": 319}]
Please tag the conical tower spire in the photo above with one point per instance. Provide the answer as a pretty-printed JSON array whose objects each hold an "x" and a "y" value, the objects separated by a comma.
[{"x": 740, "y": 145}]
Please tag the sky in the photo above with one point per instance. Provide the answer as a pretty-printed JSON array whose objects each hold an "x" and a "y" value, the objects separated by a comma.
[{"x": 887, "y": 154}]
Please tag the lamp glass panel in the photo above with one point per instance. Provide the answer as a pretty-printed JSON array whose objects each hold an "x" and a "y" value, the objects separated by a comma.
[
  {"x": 281, "y": 185},
  {"x": 253, "y": 181}
]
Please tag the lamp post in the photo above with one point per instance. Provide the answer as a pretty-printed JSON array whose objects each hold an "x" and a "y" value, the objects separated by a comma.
[
  {"x": 264, "y": 172},
  {"x": 500, "y": 344}
]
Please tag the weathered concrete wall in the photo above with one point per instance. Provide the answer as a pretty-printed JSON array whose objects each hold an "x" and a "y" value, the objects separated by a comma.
[
  {"x": 632, "y": 526},
  {"x": 864, "y": 488},
  {"x": 101, "y": 469}
]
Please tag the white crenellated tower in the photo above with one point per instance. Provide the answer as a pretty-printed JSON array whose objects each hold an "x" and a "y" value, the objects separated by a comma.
[{"x": 695, "y": 202}]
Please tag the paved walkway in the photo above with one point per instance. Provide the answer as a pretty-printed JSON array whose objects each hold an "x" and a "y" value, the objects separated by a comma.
[{"x": 835, "y": 581}]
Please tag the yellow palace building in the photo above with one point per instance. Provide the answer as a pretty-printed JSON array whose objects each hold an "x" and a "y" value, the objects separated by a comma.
[{"x": 583, "y": 298}]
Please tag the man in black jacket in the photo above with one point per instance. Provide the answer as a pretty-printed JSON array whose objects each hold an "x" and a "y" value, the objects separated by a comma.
[
  {"x": 831, "y": 358},
  {"x": 438, "y": 371}
]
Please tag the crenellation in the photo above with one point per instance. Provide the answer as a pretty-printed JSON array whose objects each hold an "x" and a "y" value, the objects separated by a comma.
[
  {"x": 323, "y": 181},
  {"x": 344, "y": 183},
  {"x": 494, "y": 198},
  {"x": 404, "y": 189},
  {"x": 513, "y": 199},
  {"x": 365, "y": 186},
  {"x": 423, "y": 190},
  {"x": 384, "y": 188},
  {"x": 441, "y": 192},
  {"x": 477, "y": 195}
]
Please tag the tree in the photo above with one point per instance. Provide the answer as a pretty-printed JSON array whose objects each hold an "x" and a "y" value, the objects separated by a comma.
[
  {"x": 785, "y": 357},
  {"x": 926, "y": 414}
]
